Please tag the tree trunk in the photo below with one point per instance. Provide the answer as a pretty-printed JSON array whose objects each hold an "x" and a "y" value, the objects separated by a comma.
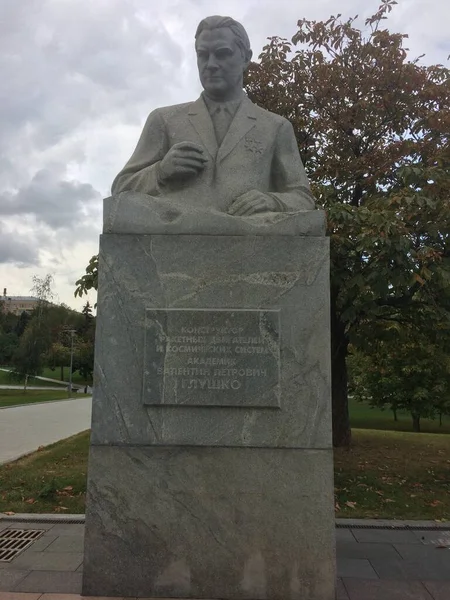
[
  {"x": 62, "y": 373},
  {"x": 416, "y": 423},
  {"x": 394, "y": 410},
  {"x": 339, "y": 345}
]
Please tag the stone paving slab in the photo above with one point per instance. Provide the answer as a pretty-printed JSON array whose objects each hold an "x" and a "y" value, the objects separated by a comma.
[
  {"x": 423, "y": 569},
  {"x": 341, "y": 592},
  {"x": 368, "y": 551},
  {"x": 375, "y": 589},
  {"x": 66, "y": 543},
  {"x": 387, "y": 536},
  {"x": 355, "y": 567},
  {"x": 48, "y": 561},
  {"x": 9, "y": 579},
  {"x": 344, "y": 535},
  {"x": 349, "y": 589},
  {"x": 433, "y": 537},
  {"x": 440, "y": 590},
  {"x": 418, "y": 552},
  {"x": 51, "y": 581}
]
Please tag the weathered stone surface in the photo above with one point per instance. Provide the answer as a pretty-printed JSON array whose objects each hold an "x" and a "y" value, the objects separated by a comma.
[
  {"x": 286, "y": 274},
  {"x": 210, "y": 523},
  {"x": 137, "y": 213}
]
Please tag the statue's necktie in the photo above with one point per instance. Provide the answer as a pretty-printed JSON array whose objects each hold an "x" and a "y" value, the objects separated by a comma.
[{"x": 221, "y": 122}]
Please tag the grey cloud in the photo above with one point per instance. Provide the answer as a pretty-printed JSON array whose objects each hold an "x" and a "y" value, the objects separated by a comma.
[
  {"x": 52, "y": 200},
  {"x": 13, "y": 249},
  {"x": 69, "y": 62}
]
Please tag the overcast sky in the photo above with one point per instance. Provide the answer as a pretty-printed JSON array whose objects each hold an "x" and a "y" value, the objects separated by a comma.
[{"x": 79, "y": 78}]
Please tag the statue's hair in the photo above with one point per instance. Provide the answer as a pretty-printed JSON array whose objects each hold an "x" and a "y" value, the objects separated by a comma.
[{"x": 216, "y": 22}]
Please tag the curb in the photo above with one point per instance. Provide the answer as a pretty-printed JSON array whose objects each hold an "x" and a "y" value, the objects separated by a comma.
[{"x": 340, "y": 523}]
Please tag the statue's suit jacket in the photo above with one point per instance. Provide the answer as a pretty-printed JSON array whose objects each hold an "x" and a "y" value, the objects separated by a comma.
[{"x": 258, "y": 152}]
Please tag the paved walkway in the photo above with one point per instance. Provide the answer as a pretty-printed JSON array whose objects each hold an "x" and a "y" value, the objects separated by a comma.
[
  {"x": 24, "y": 428},
  {"x": 32, "y": 387},
  {"x": 373, "y": 564}
]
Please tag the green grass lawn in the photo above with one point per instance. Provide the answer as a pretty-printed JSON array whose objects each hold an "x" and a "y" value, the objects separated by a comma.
[
  {"x": 15, "y": 397},
  {"x": 8, "y": 378},
  {"x": 50, "y": 480},
  {"x": 390, "y": 474},
  {"x": 384, "y": 475},
  {"x": 56, "y": 374},
  {"x": 362, "y": 416}
]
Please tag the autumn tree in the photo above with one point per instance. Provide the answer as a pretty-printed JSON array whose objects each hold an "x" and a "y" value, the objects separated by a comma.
[{"x": 372, "y": 128}]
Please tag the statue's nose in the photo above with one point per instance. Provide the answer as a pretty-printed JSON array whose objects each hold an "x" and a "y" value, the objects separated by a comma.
[{"x": 212, "y": 63}]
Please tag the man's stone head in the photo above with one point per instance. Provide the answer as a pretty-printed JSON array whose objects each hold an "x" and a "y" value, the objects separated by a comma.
[{"x": 223, "y": 54}]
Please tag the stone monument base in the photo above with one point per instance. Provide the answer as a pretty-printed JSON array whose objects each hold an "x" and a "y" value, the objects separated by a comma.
[
  {"x": 235, "y": 523},
  {"x": 210, "y": 471}
]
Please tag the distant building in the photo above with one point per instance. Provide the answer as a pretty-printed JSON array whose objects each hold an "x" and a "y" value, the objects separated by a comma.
[{"x": 17, "y": 304}]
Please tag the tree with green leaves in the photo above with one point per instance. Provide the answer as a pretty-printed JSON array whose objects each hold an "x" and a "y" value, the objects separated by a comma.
[
  {"x": 407, "y": 368},
  {"x": 373, "y": 129},
  {"x": 36, "y": 339}
]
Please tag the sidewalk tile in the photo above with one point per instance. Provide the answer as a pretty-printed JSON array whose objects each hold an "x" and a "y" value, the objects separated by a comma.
[
  {"x": 440, "y": 590},
  {"x": 437, "y": 538},
  {"x": 387, "y": 536},
  {"x": 48, "y": 561},
  {"x": 355, "y": 567},
  {"x": 412, "y": 570},
  {"x": 344, "y": 535},
  {"x": 25, "y": 525},
  {"x": 8, "y": 579},
  {"x": 68, "y": 529},
  {"x": 420, "y": 551},
  {"x": 67, "y": 543},
  {"x": 365, "y": 550},
  {"x": 360, "y": 589},
  {"x": 60, "y": 597},
  {"x": 42, "y": 543},
  {"x": 18, "y": 596},
  {"x": 341, "y": 592},
  {"x": 51, "y": 582}
]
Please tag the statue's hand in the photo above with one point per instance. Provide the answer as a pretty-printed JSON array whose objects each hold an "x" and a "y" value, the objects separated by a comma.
[
  {"x": 182, "y": 160},
  {"x": 252, "y": 202}
]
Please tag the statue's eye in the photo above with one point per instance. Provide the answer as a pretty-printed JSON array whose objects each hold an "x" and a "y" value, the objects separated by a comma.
[
  {"x": 223, "y": 53},
  {"x": 202, "y": 54}
]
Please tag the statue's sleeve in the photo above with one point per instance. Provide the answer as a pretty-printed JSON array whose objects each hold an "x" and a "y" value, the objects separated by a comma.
[
  {"x": 290, "y": 184},
  {"x": 140, "y": 174}
]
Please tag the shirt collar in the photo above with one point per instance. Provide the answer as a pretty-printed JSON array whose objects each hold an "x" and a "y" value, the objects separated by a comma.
[{"x": 231, "y": 107}]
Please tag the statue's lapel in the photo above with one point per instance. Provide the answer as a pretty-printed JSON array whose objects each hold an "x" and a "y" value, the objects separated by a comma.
[
  {"x": 201, "y": 121},
  {"x": 244, "y": 120}
]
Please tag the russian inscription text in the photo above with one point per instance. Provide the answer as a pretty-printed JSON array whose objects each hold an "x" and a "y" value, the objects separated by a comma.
[{"x": 203, "y": 357}]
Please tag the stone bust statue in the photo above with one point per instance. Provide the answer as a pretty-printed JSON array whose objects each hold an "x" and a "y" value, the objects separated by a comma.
[{"x": 221, "y": 152}]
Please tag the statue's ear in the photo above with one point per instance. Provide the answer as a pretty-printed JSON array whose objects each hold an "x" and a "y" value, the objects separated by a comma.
[{"x": 248, "y": 59}]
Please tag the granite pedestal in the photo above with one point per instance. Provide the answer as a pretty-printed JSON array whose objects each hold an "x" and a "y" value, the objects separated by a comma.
[{"x": 210, "y": 471}]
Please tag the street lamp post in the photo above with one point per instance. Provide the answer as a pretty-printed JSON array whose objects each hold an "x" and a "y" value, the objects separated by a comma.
[{"x": 72, "y": 333}]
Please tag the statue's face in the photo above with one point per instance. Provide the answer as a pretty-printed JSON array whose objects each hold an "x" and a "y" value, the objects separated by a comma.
[{"x": 221, "y": 64}]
